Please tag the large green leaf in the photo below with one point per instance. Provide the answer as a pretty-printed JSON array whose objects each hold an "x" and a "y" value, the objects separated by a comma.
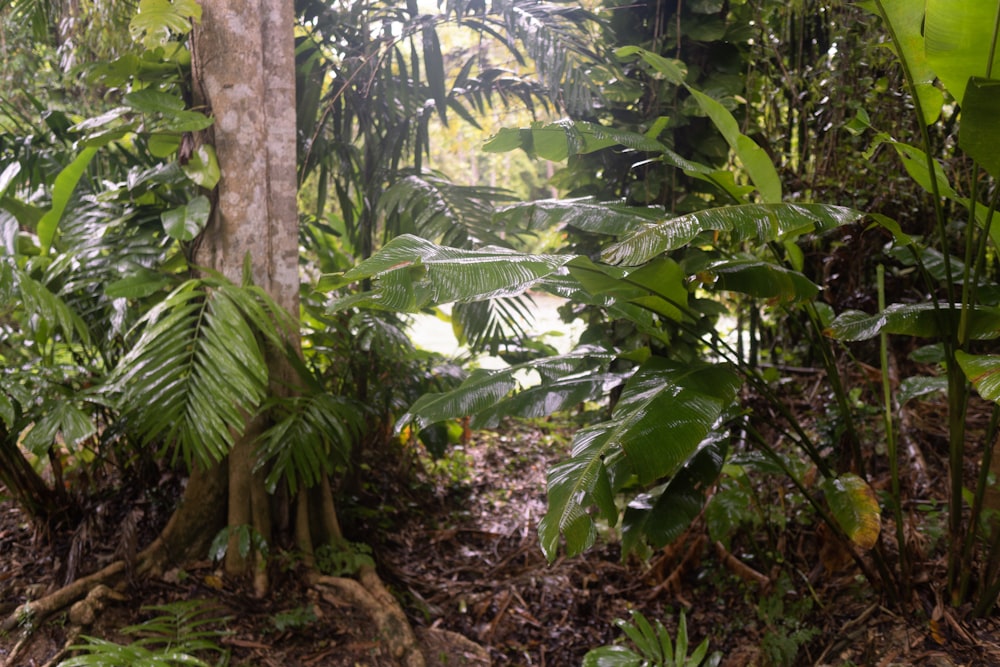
[
  {"x": 983, "y": 371},
  {"x": 659, "y": 286},
  {"x": 660, "y": 517},
  {"x": 559, "y": 140},
  {"x": 918, "y": 319},
  {"x": 584, "y": 213},
  {"x": 905, "y": 23},
  {"x": 198, "y": 369},
  {"x": 960, "y": 37},
  {"x": 671, "y": 69},
  {"x": 413, "y": 273},
  {"x": 761, "y": 279},
  {"x": 308, "y": 436},
  {"x": 486, "y": 395},
  {"x": 755, "y": 160},
  {"x": 62, "y": 190},
  {"x": 760, "y": 222},
  {"x": 186, "y": 221},
  {"x": 156, "y": 20},
  {"x": 979, "y": 133},
  {"x": 664, "y": 414}
]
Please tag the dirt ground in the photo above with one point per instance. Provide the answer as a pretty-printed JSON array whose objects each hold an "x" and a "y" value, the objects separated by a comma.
[{"x": 459, "y": 550}]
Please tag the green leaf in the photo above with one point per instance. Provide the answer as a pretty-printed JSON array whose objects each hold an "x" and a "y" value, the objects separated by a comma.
[
  {"x": 915, "y": 387},
  {"x": 755, "y": 160},
  {"x": 919, "y": 319},
  {"x": 185, "y": 222},
  {"x": 915, "y": 163},
  {"x": 612, "y": 656},
  {"x": 759, "y": 222},
  {"x": 149, "y": 100},
  {"x": 486, "y": 394},
  {"x": 659, "y": 285},
  {"x": 959, "y": 38},
  {"x": 203, "y": 167},
  {"x": 855, "y": 507},
  {"x": 62, "y": 190},
  {"x": 559, "y": 140},
  {"x": 163, "y": 145},
  {"x": 983, "y": 371},
  {"x": 413, "y": 273},
  {"x": 979, "y": 132},
  {"x": 663, "y": 415},
  {"x": 674, "y": 71},
  {"x": 197, "y": 369},
  {"x": 585, "y": 213},
  {"x": 8, "y": 175},
  {"x": 906, "y": 23},
  {"x": 156, "y": 21},
  {"x": 761, "y": 279},
  {"x": 660, "y": 517},
  {"x": 142, "y": 283},
  {"x": 7, "y": 413},
  {"x": 434, "y": 68}
]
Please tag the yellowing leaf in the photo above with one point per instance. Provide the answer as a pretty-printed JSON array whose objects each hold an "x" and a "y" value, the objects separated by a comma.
[{"x": 855, "y": 507}]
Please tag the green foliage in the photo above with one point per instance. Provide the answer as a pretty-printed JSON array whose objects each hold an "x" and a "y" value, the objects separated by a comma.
[
  {"x": 180, "y": 633},
  {"x": 292, "y": 619},
  {"x": 343, "y": 559},
  {"x": 243, "y": 536},
  {"x": 653, "y": 647},
  {"x": 786, "y": 629},
  {"x": 197, "y": 366}
]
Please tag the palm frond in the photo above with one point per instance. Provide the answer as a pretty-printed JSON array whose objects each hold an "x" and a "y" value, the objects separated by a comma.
[
  {"x": 310, "y": 435},
  {"x": 198, "y": 367}
]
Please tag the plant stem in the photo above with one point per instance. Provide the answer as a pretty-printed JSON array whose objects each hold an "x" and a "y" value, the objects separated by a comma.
[{"x": 891, "y": 444}]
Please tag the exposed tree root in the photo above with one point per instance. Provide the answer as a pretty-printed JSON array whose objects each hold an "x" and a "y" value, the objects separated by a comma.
[{"x": 370, "y": 595}]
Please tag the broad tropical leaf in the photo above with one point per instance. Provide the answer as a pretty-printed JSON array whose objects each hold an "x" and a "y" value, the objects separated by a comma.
[
  {"x": 855, "y": 507},
  {"x": 979, "y": 132},
  {"x": 959, "y": 37},
  {"x": 565, "y": 138},
  {"x": 584, "y": 213},
  {"x": 567, "y": 380},
  {"x": 983, "y": 372},
  {"x": 755, "y": 160},
  {"x": 413, "y": 273},
  {"x": 665, "y": 412},
  {"x": 661, "y": 516},
  {"x": 62, "y": 189},
  {"x": 917, "y": 319},
  {"x": 906, "y": 25},
  {"x": 659, "y": 286},
  {"x": 764, "y": 280},
  {"x": 762, "y": 222}
]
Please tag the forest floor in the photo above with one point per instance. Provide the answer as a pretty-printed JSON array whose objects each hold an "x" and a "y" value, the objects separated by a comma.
[{"x": 459, "y": 549}]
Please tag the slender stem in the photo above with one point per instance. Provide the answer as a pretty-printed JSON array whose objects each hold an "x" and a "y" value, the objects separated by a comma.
[
  {"x": 891, "y": 443},
  {"x": 977, "y": 505}
]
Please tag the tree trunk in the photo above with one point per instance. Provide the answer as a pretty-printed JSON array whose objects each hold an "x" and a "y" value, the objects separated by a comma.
[{"x": 244, "y": 75}]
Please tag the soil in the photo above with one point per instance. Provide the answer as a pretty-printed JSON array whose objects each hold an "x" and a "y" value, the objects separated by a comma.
[{"x": 456, "y": 543}]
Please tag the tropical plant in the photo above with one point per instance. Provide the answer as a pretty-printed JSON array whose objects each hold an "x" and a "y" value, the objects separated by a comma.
[
  {"x": 653, "y": 647},
  {"x": 177, "y": 635},
  {"x": 748, "y": 248}
]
